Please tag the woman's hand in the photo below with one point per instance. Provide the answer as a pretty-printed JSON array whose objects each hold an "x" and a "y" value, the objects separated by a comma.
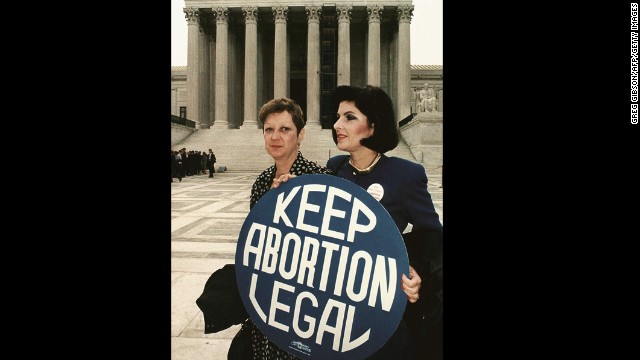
[
  {"x": 411, "y": 285},
  {"x": 280, "y": 179}
]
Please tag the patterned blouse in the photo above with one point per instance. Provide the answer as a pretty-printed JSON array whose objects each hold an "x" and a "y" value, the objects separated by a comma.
[
  {"x": 300, "y": 166},
  {"x": 261, "y": 347}
]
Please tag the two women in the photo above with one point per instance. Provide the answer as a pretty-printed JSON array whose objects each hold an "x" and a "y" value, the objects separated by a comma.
[{"x": 365, "y": 127}]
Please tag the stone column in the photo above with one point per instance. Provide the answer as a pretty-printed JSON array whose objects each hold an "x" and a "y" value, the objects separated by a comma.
[
  {"x": 374, "y": 13},
  {"x": 344, "y": 44},
  {"x": 222, "y": 67},
  {"x": 314, "y": 12},
  {"x": 280, "y": 78},
  {"x": 440, "y": 91},
  {"x": 250, "y": 67},
  {"x": 193, "y": 85},
  {"x": 403, "y": 106},
  {"x": 205, "y": 57},
  {"x": 212, "y": 78}
]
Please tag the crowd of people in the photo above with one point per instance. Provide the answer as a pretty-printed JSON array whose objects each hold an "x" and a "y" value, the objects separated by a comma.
[
  {"x": 366, "y": 129},
  {"x": 188, "y": 163}
]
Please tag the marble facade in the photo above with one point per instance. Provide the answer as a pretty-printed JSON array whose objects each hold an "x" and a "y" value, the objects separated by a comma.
[{"x": 240, "y": 56}]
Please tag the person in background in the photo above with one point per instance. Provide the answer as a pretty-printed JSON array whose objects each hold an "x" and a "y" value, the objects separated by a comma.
[
  {"x": 174, "y": 165},
  {"x": 180, "y": 172},
  {"x": 365, "y": 127},
  {"x": 187, "y": 161},
  {"x": 211, "y": 163},
  {"x": 203, "y": 162}
]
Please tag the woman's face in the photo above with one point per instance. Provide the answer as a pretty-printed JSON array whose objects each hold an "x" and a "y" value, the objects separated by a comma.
[
  {"x": 351, "y": 127},
  {"x": 280, "y": 136}
]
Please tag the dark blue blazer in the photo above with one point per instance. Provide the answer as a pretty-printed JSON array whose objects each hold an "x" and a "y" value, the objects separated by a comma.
[
  {"x": 405, "y": 197},
  {"x": 407, "y": 200}
]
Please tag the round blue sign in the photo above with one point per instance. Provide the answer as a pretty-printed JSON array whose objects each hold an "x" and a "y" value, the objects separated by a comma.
[{"x": 319, "y": 266}]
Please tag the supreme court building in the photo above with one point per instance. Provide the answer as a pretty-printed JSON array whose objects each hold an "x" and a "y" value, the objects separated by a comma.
[{"x": 242, "y": 54}]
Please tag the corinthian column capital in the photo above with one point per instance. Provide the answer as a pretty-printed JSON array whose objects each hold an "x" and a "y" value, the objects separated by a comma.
[
  {"x": 314, "y": 12},
  {"x": 222, "y": 15},
  {"x": 405, "y": 12},
  {"x": 344, "y": 13},
  {"x": 280, "y": 13},
  {"x": 191, "y": 14},
  {"x": 250, "y": 14},
  {"x": 374, "y": 13}
]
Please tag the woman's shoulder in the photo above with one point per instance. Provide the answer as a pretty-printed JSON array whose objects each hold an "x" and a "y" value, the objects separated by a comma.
[
  {"x": 265, "y": 174},
  {"x": 404, "y": 164},
  {"x": 405, "y": 168},
  {"x": 306, "y": 166},
  {"x": 336, "y": 160}
]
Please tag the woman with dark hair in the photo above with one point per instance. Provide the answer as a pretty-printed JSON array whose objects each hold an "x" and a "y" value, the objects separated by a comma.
[{"x": 365, "y": 127}]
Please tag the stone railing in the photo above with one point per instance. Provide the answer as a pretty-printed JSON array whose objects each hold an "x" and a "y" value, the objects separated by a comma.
[
  {"x": 406, "y": 120},
  {"x": 182, "y": 121},
  {"x": 423, "y": 135}
]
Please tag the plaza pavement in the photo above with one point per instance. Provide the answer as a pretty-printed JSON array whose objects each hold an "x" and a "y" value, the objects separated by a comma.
[{"x": 206, "y": 217}]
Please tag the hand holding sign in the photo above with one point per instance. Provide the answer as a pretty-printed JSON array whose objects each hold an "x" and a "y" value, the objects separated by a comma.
[
  {"x": 320, "y": 266},
  {"x": 281, "y": 179},
  {"x": 411, "y": 285}
]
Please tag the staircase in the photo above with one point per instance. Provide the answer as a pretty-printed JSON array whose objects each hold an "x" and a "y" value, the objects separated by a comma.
[{"x": 243, "y": 149}]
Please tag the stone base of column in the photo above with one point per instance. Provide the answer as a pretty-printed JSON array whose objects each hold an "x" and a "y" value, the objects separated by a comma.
[
  {"x": 313, "y": 126},
  {"x": 249, "y": 124},
  {"x": 220, "y": 125}
]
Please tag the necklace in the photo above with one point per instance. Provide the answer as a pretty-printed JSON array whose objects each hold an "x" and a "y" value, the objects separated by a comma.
[{"x": 368, "y": 168}]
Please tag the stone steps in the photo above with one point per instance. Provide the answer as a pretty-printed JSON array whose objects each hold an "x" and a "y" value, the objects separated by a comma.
[{"x": 243, "y": 149}]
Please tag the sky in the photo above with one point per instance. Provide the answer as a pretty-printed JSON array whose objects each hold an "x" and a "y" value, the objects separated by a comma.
[{"x": 426, "y": 33}]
